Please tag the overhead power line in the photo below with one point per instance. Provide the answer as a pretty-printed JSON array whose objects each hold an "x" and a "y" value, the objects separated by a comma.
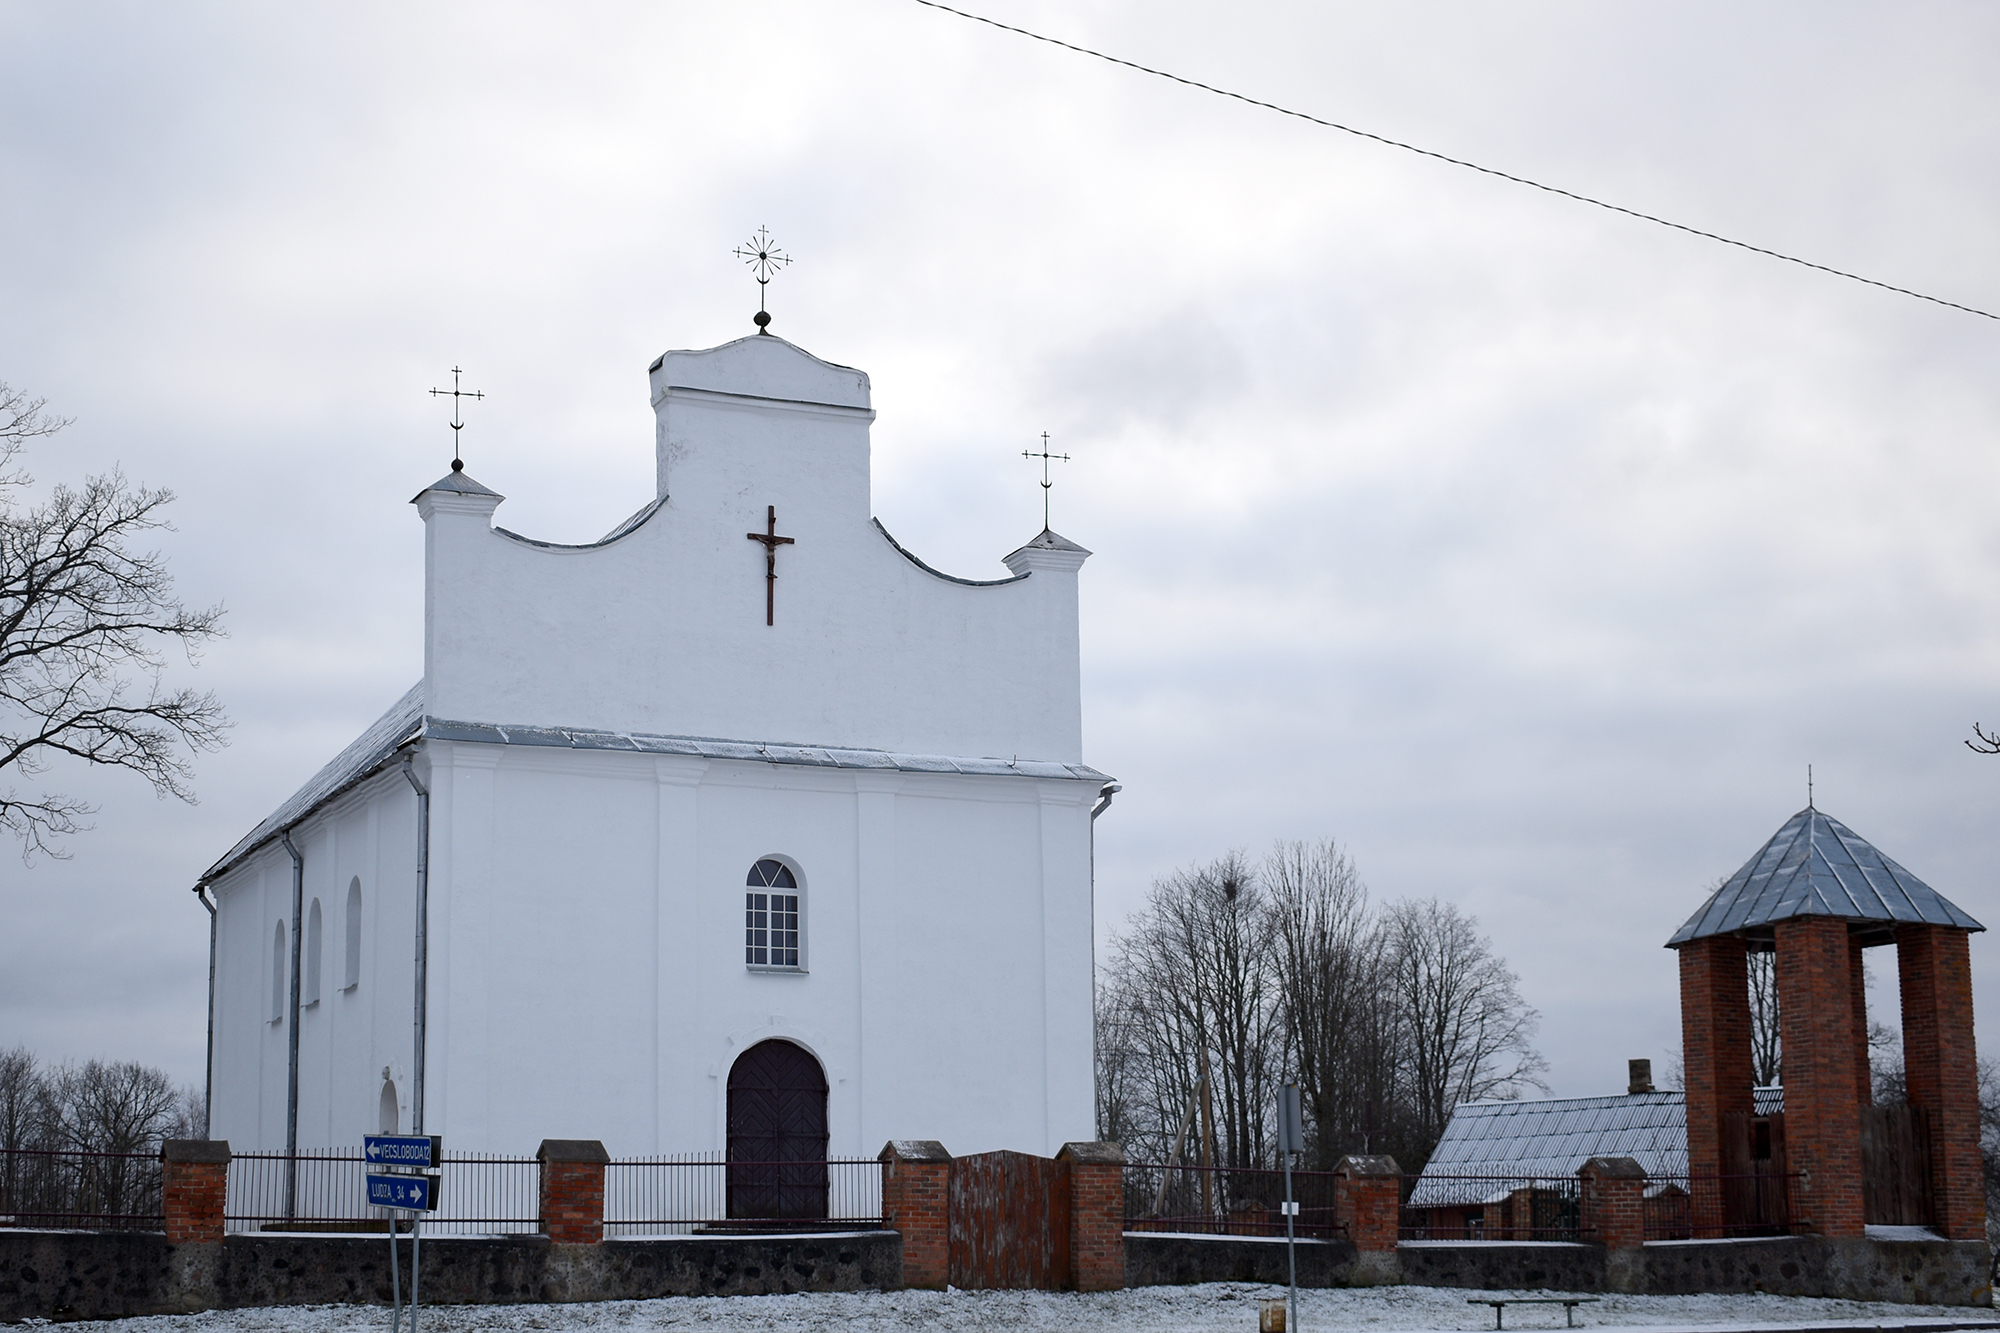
[{"x": 1454, "y": 161}]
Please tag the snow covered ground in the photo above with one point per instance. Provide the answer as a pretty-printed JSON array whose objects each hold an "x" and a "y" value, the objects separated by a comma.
[{"x": 1219, "y": 1307}]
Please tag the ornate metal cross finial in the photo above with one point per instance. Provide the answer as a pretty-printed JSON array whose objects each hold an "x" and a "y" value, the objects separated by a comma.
[
  {"x": 1046, "y": 458},
  {"x": 764, "y": 259},
  {"x": 456, "y": 394}
]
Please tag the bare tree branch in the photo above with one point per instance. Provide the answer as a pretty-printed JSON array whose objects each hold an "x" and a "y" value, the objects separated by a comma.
[{"x": 86, "y": 619}]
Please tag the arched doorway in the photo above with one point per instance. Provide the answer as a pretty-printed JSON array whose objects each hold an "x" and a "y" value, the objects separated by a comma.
[{"x": 777, "y": 1116}]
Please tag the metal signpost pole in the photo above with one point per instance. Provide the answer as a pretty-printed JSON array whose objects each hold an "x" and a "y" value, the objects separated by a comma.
[
  {"x": 398, "y": 1191},
  {"x": 1291, "y": 1139},
  {"x": 395, "y": 1280},
  {"x": 416, "y": 1263}
]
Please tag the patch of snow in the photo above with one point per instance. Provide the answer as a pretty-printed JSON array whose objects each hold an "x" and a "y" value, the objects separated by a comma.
[
  {"x": 1216, "y": 1307},
  {"x": 1497, "y": 1243},
  {"x": 1881, "y": 1231},
  {"x": 1211, "y": 1236}
]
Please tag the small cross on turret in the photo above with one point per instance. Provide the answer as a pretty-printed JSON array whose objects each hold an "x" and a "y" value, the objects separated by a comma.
[
  {"x": 764, "y": 259},
  {"x": 1046, "y": 458},
  {"x": 456, "y": 395}
]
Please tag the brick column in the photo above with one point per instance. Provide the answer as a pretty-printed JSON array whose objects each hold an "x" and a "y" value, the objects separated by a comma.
[
  {"x": 193, "y": 1187},
  {"x": 573, "y": 1190},
  {"x": 1096, "y": 1215},
  {"x": 1857, "y": 987},
  {"x": 916, "y": 1202},
  {"x": 1368, "y": 1201},
  {"x": 1715, "y": 1046},
  {"x": 1822, "y": 1120},
  {"x": 1935, "y": 967},
  {"x": 1613, "y": 1203}
]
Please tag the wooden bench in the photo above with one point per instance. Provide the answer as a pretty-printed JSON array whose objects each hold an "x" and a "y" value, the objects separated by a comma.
[{"x": 1568, "y": 1303}]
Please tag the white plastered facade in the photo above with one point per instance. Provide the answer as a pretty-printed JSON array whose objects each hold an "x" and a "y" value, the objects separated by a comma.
[{"x": 612, "y": 736}]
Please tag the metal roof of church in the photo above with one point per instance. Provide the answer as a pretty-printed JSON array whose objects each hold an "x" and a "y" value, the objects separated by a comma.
[
  {"x": 406, "y": 721},
  {"x": 1817, "y": 866},
  {"x": 1504, "y": 1144}
]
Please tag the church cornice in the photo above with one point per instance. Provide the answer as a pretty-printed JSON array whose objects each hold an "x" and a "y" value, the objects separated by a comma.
[{"x": 405, "y": 724}]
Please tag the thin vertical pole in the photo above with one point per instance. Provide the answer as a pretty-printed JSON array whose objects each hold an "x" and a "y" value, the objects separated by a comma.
[
  {"x": 1291, "y": 1252},
  {"x": 292, "y": 1023},
  {"x": 395, "y": 1280},
  {"x": 416, "y": 1263},
  {"x": 1207, "y": 1142},
  {"x": 420, "y": 1017},
  {"x": 208, "y": 1073}
]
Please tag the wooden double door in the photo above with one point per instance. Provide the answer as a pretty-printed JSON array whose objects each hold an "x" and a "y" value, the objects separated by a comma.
[
  {"x": 1895, "y": 1170},
  {"x": 777, "y": 1133}
]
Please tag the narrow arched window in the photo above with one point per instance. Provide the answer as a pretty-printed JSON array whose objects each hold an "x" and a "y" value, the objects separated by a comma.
[
  {"x": 771, "y": 916},
  {"x": 313, "y": 935},
  {"x": 278, "y": 974},
  {"x": 350, "y": 973},
  {"x": 388, "y": 1113}
]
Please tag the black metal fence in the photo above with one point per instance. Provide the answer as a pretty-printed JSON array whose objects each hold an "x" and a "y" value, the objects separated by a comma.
[
  {"x": 1227, "y": 1201},
  {"x": 478, "y": 1194},
  {"x": 1437, "y": 1207},
  {"x": 1718, "y": 1207},
  {"x": 95, "y": 1191},
  {"x": 700, "y": 1193}
]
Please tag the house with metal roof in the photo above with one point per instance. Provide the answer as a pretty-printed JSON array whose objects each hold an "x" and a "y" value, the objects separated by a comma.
[{"x": 1490, "y": 1148}]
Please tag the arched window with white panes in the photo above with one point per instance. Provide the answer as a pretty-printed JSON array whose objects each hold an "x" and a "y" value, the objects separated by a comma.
[
  {"x": 350, "y": 972},
  {"x": 773, "y": 940}
]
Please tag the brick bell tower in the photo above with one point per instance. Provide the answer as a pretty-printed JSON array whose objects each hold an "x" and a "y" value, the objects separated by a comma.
[{"x": 1818, "y": 895}]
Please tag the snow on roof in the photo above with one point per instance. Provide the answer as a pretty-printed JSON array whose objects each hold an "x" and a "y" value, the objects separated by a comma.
[
  {"x": 406, "y": 722},
  {"x": 1817, "y": 866},
  {"x": 1498, "y": 1143},
  {"x": 367, "y": 753}
]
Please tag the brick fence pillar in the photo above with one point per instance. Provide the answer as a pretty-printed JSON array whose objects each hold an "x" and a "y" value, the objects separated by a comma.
[
  {"x": 1612, "y": 1212},
  {"x": 194, "y": 1186},
  {"x": 1368, "y": 1201},
  {"x": 916, "y": 1202},
  {"x": 1613, "y": 1202},
  {"x": 1935, "y": 968},
  {"x": 1096, "y": 1215},
  {"x": 573, "y": 1190},
  {"x": 1822, "y": 1119}
]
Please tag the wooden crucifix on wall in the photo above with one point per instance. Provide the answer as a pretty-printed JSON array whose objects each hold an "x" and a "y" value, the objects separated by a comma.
[{"x": 772, "y": 541}]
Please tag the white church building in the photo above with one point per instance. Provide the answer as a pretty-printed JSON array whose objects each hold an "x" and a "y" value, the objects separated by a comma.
[{"x": 741, "y": 829}]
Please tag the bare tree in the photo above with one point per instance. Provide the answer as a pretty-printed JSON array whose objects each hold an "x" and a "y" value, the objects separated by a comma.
[
  {"x": 113, "y": 1107},
  {"x": 86, "y": 1138},
  {"x": 1195, "y": 979},
  {"x": 1467, "y": 1031},
  {"x": 1766, "y": 1045},
  {"x": 22, "y": 1113},
  {"x": 1343, "y": 1038},
  {"x": 83, "y": 612}
]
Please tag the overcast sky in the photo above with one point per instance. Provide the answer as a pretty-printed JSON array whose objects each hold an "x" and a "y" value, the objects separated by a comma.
[{"x": 1529, "y": 551}]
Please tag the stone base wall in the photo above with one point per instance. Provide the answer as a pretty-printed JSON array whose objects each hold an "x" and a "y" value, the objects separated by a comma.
[
  {"x": 1167, "y": 1259},
  {"x": 1501, "y": 1266},
  {"x": 1908, "y": 1272},
  {"x": 86, "y": 1275}
]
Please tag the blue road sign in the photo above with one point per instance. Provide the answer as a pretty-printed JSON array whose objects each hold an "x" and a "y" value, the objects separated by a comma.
[
  {"x": 414, "y": 1150},
  {"x": 412, "y": 1193}
]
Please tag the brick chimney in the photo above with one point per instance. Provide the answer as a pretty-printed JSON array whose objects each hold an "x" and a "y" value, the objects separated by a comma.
[{"x": 1640, "y": 1077}]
